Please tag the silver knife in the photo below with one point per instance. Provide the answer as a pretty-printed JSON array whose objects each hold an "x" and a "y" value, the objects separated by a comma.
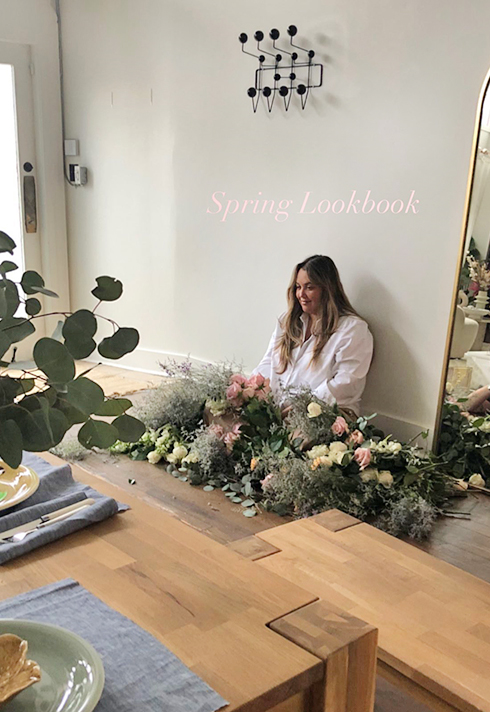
[{"x": 45, "y": 519}]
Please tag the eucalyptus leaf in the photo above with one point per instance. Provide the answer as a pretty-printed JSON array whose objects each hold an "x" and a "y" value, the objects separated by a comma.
[
  {"x": 97, "y": 433},
  {"x": 31, "y": 281},
  {"x": 16, "y": 328},
  {"x": 9, "y": 298},
  {"x": 122, "y": 342},
  {"x": 6, "y": 243},
  {"x": 84, "y": 394},
  {"x": 108, "y": 289},
  {"x": 33, "y": 306},
  {"x": 129, "y": 429},
  {"x": 249, "y": 512},
  {"x": 7, "y": 266},
  {"x": 43, "y": 429},
  {"x": 78, "y": 330},
  {"x": 208, "y": 488},
  {"x": 248, "y": 503},
  {"x": 5, "y": 342},
  {"x": 113, "y": 406},
  {"x": 54, "y": 359},
  {"x": 11, "y": 443}
]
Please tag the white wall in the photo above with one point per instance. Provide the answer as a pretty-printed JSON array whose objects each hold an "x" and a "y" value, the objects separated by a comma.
[
  {"x": 33, "y": 23},
  {"x": 156, "y": 93}
]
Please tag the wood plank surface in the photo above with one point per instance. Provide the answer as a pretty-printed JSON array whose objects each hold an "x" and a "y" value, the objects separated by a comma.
[
  {"x": 210, "y": 513},
  {"x": 206, "y": 603},
  {"x": 433, "y": 619}
]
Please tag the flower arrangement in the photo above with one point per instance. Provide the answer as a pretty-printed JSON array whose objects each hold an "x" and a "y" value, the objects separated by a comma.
[
  {"x": 479, "y": 274},
  {"x": 234, "y": 438}
]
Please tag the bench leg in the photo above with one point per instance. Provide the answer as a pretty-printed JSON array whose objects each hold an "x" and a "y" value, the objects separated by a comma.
[{"x": 348, "y": 647}]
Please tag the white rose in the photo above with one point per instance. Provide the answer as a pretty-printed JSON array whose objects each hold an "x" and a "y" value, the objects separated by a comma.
[
  {"x": 191, "y": 457},
  {"x": 317, "y": 451},
  {"x": 485, "y": 426},
  {"x": 385, "y": 478},
  {"x": 338, "y": 446},
  {"x": 314, "y": 410},
  {"x": 179, "y": 452},
  {"x": 154, "y": 457},
  {"x": 172, "y": 459},
  {"x": 339, "y": 456},
  {"x": 477, "y": 480},
  {"x": 370, "y": 473}
]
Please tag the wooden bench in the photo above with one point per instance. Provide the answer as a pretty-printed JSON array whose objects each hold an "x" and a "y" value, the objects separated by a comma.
[
  {"x": 261, "y": 642},
  {"x": 433, "y": 618}
]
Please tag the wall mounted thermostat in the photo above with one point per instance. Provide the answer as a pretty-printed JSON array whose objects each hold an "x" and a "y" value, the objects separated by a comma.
[{"x": 77, "y": 174}]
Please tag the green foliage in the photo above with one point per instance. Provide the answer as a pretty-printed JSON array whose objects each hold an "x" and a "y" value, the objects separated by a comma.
[
  {"x": 35, "y": 415},
  {"x": 108, "y": 289},
  {"x": 464, "y": 443},
  {"x": 122, "y": 342},
  {"x": 78, "y": 332}
]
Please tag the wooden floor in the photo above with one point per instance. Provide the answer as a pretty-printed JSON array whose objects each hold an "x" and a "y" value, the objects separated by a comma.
[{"x": 463, "y": 543}]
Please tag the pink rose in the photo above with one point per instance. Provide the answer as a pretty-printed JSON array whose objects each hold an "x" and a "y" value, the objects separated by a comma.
[
  {"x": 261, "y": 394},
  {"x": 340, "y": 426},
  {"x": 356, "y": 438},
  {"x": 256, "y": 380},
  {"x": 230, "y": 438},
  {"x": 218, "y": 430},
  {"x": 363, "y": 457},
  {"x": 238, "y": 378},
  {"x": 234, "y": 391},
  {"x": 248, "y": 392},
  {"x": 236, "y": 429}
]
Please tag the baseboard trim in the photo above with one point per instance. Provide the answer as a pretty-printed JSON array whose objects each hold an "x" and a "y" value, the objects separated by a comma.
[{"x": 145, "y": 360}]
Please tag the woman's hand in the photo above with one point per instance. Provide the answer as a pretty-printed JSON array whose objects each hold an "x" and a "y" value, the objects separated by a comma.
[{"x": 285, "y": 411}]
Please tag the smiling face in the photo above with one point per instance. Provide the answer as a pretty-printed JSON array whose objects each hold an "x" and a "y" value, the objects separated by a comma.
[{"x": 308, "y": 294}]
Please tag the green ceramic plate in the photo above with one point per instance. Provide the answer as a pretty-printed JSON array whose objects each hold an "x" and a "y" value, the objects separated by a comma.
[{"x": 72, "y": 674}]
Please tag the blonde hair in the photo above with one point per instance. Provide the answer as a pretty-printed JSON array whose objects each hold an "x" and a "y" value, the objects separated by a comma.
[{"x": 322, "y": 272}]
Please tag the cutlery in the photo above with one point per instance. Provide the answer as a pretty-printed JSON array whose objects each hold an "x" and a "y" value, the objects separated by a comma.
[{"x": 20, "y": 532}]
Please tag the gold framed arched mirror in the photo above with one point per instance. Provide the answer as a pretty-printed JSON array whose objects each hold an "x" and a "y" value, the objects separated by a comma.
[{"x": 462, "y": 430}]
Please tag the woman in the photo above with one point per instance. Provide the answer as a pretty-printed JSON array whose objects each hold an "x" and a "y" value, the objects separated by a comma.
[{"x": 320, "y": 341}]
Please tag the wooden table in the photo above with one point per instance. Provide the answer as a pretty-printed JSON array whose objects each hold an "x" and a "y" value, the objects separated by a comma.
[
  {"x": 433, "y": 618},
  {"x": 261, "y": 642}
]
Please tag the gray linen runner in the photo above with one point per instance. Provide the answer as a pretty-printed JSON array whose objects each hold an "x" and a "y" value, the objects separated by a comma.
[
  {"x": 142, "y": 675},
  {"x": 57, "y": 489}
]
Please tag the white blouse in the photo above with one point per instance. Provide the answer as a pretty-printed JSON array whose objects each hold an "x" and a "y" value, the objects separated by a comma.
[{"x": 340, "y": 373}]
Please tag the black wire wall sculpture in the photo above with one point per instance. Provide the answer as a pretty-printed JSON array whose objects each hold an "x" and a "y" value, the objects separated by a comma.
[{"x": 285, "y": 76}]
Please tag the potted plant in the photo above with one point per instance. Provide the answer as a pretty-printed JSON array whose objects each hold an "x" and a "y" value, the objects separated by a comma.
[{"x": 38, "y": 406}]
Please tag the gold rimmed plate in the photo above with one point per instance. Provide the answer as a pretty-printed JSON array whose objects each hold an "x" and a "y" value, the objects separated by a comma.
[{"x": 16, "y": 485}]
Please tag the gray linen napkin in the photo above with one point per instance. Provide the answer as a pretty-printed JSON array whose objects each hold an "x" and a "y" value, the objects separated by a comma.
[
  {"x": 141, "y": 674},
  {"x": 57, "y": 489}
]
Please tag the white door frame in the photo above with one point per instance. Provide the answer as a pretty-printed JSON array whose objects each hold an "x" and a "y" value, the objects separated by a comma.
[{"x": 38, "y": 92}]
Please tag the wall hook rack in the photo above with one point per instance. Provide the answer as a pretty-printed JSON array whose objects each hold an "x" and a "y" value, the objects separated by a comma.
[{"x": 284, "y": 76}]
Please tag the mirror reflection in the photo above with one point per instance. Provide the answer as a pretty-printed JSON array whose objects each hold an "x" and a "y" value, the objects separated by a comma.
[{"x": 465, "y": 425}]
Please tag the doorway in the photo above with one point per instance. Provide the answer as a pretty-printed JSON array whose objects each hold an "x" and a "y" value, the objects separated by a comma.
[{"x": 19, "y": 206}]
